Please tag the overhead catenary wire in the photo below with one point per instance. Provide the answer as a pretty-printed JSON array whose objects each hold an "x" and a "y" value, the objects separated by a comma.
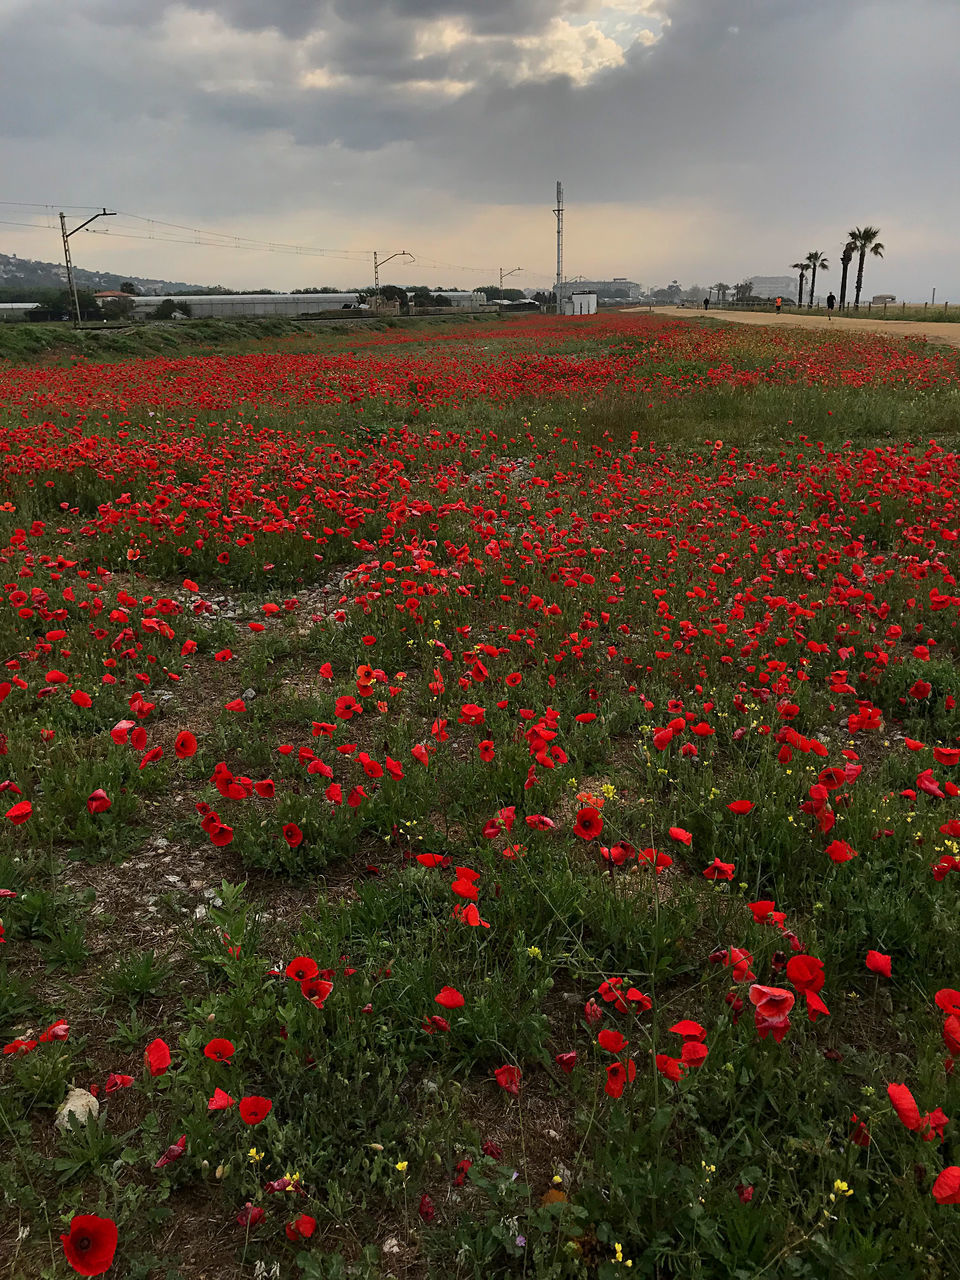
[{"x": 211, "y": 239}]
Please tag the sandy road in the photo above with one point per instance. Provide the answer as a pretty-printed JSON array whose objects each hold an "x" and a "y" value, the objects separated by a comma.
[{"x": 942, "y": 332}]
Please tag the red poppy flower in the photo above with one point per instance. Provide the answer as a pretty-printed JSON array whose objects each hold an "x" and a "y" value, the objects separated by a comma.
[
  {"x": 611, "y": 1041},
  {"x": 220, "y": 834},
  {"x": 115, "y": 1082},
  {"x": 250, "y": 1216},
  {"x": 486, "y": 750},
  {"x": 302, "y": 968},
  {"x": 948, "y": 1000},
  {"x": 237, "y": 704},
  {"x": 905, "y": 1105},
  {"x": 719, "y": 870},
  {"x": 98, "y": 801},
  {"x": 185, "y": 745},
  {"x": 693, "y": 1053},
  {"x": 449, "y": 998},
  {"x": 19, "y": 812},
  {"x": 772, "y": 1002},
  {"x": 173, "y": 1152},
  {"x": 254, "y": 1109},
  {"x": 219, "y": 1050},
  {"x": 946, "y": 1189},
  {"x": 508, "y": 1078},
  {"x": 740, "y": 806},
  {"x": 470, "y": 915},
  {"x": 840, "y": 851},
  {"x": 566, "y": 1061},
  {"x": 681, "y": 836},
  {"x": 617, "y": 1077},
  {"x": 877, "y": 962},
  {"x": 301, "y": 1228},
  {"x": 221, "y": 1101},
  {"x": 689, "y": 1030},
  {"x": 805, "y": 972},
  {"x": 316, "y": 991},
  {"x": 157, "y": 1057},
  {"x": 91, "y": 1244},
  {"x": 672, "y": 1068},
  {"x": 293, "y": 835},
  {"x": 860, "y": 1137},
  {"x": 589, "y": 824}
]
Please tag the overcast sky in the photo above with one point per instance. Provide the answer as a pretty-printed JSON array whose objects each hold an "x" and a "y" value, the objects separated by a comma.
[{"x": 702, "y": 139}]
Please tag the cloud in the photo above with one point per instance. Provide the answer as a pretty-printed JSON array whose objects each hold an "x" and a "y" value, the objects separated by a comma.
[{"x": 763, "y": 128}]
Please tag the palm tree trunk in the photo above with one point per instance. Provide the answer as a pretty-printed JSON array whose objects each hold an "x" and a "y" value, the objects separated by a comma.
[
  {"x": 863, "y": 258},
  {"x": 813, "y": 284},
  {"x": 800, "y": 291},
  {"x": 843, "y": 282}
]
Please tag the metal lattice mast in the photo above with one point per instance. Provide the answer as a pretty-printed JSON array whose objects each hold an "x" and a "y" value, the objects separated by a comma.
[{"x": 559, "y": 213}]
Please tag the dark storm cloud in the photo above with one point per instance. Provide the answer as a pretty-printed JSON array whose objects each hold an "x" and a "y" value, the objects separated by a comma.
[{"x": 778, "y": 115}]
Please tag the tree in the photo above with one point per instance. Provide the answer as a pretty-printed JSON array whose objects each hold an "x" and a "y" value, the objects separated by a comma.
[
  {"x": 743, "y": 291},
  {"x": 864, "y": 240},
  {"x": 803, "y": 268},
  {"x": 129, "y": 287},
  {"x": 845, "y": 259},
  {"x": 393, "y": 293},
  {"x": 169, "y": 308},
  {"x": 722, "y": 291},
  {"x": 815, "y": 260}
]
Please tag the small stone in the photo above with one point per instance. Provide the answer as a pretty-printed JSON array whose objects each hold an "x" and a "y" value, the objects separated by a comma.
[
  {"x": 248, "y": 694},
  {"x": 75, "y": 1110},
  {"x": 391, "y": 1245}
]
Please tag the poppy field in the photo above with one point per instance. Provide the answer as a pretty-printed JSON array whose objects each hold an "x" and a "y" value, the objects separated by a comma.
[{"x": 483, "y": 804}]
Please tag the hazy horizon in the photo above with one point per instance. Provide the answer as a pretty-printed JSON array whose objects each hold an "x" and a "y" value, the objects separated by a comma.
[{"x": 699, "y": 139}]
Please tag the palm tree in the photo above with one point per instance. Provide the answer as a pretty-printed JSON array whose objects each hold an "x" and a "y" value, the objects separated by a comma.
[
  {"x": 722, "y": 291},
  {"x": 815, "y": 259},
  {"x": 864, "y": 239},
  {"x": 803, "y": 268},
  {"x": 845, "y": 259}
]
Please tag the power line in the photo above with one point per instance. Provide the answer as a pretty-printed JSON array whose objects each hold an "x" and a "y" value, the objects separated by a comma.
[{"x": 210, "y": 239}]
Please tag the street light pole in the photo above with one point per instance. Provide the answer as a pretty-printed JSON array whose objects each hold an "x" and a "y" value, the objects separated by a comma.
[
  {"x": 503, "y": 276},
  {"x": 378, "y": 263},
  {"x": 71, "y": 281}
]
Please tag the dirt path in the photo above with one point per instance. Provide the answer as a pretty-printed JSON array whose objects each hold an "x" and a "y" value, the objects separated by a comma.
[{"x": 943, "y": 332}]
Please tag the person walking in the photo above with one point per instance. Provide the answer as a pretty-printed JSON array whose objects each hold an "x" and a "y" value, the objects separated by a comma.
[
  {"x": 706, "y": 304},
  {"x": 831, "y": 303},
  {"x": 779, "y": 305}
]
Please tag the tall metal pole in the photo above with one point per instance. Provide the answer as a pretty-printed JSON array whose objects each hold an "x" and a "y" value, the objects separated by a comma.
[
  {"x": 559, "y": 213},
  {"x": 71, "y": 281},
  {"x": 378, "y": 263},
  {"x": 71, "y": 284},
  {"x": 503, "y": 276}
]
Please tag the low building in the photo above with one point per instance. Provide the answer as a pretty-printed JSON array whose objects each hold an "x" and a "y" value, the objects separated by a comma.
[
  {"x": 580, "y": 304},
  {"x": 466, "y": 299},
  {"x": 13, "y": 312},
  {"x": 773, "y": 286},
  {"x": 225, "y": 306}
]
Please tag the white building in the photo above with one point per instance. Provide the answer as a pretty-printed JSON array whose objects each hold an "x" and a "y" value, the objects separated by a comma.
[
  {"x": 580, "y": 304},
  {"x": 10, "y": 312},
  {"x": 224, "y": 306}
]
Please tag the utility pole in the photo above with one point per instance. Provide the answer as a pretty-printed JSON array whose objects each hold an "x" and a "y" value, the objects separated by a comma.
[
  {"x": 559, "y": 214},
  {"x": 71, "y": 282},
  {"x": 503, "y": 276},
  {"x": 378, "y": 263}
]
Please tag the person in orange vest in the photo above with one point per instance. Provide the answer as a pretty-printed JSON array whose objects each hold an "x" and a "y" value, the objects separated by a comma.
[{"x": 779, "y": 305}]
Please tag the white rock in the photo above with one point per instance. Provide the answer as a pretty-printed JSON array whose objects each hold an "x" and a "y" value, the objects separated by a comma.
[{"x": 76, "y": 1108}]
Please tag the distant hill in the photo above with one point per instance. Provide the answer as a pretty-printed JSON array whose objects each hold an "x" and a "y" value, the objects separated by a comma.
[{"x": 24, "y": 274}]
